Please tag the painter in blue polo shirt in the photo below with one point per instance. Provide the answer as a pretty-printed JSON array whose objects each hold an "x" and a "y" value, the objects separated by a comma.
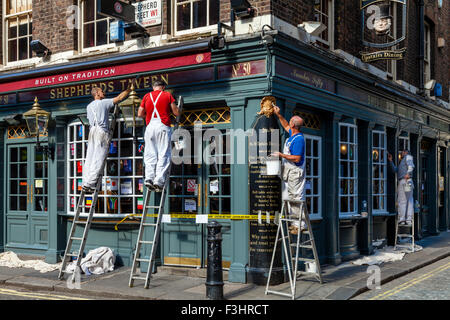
[{"x": 293, "y": 164}]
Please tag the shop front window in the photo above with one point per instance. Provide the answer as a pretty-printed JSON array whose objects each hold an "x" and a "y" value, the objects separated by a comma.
[
  {"x": 313, "y": 183},
  {"x": 379, "y": 171},
  {"x": 122, "y": 182},
  {"x": 348, "y": 169}
]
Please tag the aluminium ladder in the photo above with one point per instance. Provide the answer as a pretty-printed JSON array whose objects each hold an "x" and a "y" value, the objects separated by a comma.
[
  {"x": 410, "y": 246},
  {"x": 87, "y": 223},
  {"x": 156, "y": 225},
  {"x": 293, "y": 247}
]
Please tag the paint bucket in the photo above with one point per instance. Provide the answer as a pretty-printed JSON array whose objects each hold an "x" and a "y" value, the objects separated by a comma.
[
  {"x": 272, "y": 167},
  {"x": 408, "y": 185},
  {"x": 310, "y": 267}
]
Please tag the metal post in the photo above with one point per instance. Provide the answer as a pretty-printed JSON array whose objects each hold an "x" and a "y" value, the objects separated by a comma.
[{"x": 214, "y": 277}]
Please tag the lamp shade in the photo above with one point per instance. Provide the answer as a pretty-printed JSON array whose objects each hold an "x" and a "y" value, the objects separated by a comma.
[
  {"x": 130, "y": 108},
  {"x": 37, "y": 119}
]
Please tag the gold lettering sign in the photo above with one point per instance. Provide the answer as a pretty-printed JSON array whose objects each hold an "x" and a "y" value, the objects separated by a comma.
[{"x": 107, "y": 87}]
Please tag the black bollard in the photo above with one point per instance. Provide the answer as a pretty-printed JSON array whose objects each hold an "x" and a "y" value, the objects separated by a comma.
[{"x": 214, "y": 277}]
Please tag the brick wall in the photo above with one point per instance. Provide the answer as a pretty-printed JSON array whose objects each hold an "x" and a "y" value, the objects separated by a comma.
[{"x": 49, "y": 25}]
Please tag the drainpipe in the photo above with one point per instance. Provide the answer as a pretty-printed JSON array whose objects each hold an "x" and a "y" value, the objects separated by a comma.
[{"x": 421, "y": 48}]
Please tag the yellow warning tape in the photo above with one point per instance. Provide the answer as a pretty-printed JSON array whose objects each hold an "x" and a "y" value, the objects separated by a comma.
[{"x": 210, "y": 216}]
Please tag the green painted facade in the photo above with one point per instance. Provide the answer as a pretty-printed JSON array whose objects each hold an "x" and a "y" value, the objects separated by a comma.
[{"x": 318, "y": 85}]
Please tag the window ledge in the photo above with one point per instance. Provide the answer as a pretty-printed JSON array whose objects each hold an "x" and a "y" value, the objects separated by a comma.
[
  {"x": 17, "y": 66},
  {"x": 354, "y": 216},
  {"x": 189, "y": 36},
  {"x": 382, "y": 214},
  {"x": 95, "y": 52}
]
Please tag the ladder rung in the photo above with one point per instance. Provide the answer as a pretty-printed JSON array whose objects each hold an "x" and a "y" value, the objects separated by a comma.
[
  {"x": 305, "y": 259},
  {"x": 307, "y": 246},
  {"x": 80, "y": 222},
  {"x": 405, "y": 235},
  {"x": 304, "y": 273},
  {"x": 146, "y": 242},
  {"x": 143, "y": 260},
  {"x": 75, "y": 238},
  {"x": 149, "y": 224},
  {"x": 138, "y": 278},
  {"x": 152, "y": 207}
]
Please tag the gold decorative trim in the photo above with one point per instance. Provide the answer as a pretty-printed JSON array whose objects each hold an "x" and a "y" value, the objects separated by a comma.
[
  {"x": 312, "y": 121},
  {"x": 180, "y": 261},
  {"x": 205, "y": 116}
]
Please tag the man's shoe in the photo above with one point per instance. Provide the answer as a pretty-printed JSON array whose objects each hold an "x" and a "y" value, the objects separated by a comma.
[
  {"x": 408, "y": 222},
  {"x": 149, "y": 185},
  {"x": 88, "y": 189},
  {"x": 158, "y": 188}
]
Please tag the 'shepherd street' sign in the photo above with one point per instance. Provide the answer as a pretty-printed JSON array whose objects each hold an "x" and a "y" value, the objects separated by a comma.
[{"x": 148, "y": 12}]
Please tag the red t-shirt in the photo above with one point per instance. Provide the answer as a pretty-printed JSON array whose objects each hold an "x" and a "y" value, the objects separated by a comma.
[{"x": 163, "y": 106}]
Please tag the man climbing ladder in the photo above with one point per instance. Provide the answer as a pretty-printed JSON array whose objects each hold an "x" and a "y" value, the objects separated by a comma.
[{"x": 156, "y": 108}]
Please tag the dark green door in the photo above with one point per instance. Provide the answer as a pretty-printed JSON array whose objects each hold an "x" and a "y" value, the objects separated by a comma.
[
  {"x": 197, "y": 188},
  {"x": 27, "y": 198}
]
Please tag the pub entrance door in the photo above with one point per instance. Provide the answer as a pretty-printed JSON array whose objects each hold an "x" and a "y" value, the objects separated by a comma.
[
  {"x": 26, "y": 198},
  {"x": 201, "y": 187}
]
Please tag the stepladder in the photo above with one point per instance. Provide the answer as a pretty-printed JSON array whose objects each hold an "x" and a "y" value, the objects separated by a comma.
[
  {"x": 404, "y": 235},
  {"x": 296, "y": 238},
  {"x": 141, "y": 243},
  {"x": 78, "y": 223}
]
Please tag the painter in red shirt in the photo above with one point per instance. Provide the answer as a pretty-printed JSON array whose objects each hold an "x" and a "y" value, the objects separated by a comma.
[{"x": 156, "y": 108}]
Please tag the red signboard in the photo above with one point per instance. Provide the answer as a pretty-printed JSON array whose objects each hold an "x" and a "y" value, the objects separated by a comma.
[{"x": 108, "y": 72}]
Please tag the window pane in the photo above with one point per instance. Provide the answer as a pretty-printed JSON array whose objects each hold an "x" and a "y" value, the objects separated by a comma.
[
  {"x": 102, "y": 32},
  {"x": 199, "y": 14},
  {"x": 12, "y": 32},
  {"x": 88, "y": 33},
  {"x": 23, "y": 29},
  {"x": 23, "y": 48},
  {"x": 89, "y": 10},
  {"x": 183, "y": 17},
  {"x": 12, "y": 50},
  {"x": 213, "y": 11}
]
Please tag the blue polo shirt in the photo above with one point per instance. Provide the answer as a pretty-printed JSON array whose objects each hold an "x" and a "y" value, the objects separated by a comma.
[{"x": 296, "y": 145}]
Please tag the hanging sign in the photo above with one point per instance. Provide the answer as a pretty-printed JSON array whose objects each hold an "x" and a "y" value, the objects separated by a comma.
[{"x": 383, "y": 25}]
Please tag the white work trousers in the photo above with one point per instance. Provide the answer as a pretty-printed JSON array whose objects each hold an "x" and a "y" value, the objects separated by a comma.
[
  {"x": 405, "y": 202},
  {"x": 157, "y": 151},
  {"x": 96, "y": 153},
  {"x": 293, "y": 188}
]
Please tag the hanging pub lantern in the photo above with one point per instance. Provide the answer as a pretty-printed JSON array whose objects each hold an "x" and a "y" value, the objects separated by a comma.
[
  {"x": 130, "y": 108},
  {"x": 37, "y": 122}
]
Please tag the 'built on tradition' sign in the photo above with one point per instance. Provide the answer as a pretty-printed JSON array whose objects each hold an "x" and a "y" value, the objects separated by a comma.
[{"x": 148, "y": 12}]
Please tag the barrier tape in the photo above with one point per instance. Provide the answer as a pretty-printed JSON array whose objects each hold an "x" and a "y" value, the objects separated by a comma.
[{"x": 210, "y": 216}]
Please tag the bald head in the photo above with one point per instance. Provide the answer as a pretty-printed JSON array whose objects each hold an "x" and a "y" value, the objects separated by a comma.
[{"x": 296, "y": 123}]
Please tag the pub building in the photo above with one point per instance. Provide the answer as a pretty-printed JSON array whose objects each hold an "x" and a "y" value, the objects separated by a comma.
[{"x": 352, "y": 120}]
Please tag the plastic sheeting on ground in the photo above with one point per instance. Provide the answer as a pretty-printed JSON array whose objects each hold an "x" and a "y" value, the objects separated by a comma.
[
  {"x": 387, "y": 254},
  {"x": 97, "y": 261},
  {"x": 11, "y": 260}
]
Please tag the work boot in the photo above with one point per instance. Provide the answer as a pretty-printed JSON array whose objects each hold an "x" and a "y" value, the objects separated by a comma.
[
  {"x": 149, "y": 184},
  {"x": 158, "y": 188}
]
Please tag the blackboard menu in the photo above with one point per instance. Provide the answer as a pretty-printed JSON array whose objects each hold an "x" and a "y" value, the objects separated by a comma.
[{"x": 265, "y": 197}]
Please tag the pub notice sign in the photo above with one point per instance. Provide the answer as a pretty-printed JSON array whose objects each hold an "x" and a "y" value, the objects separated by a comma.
[{"x": 383, "y": 29}]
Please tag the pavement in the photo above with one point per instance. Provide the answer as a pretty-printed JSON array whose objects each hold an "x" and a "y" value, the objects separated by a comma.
[{"x": 341, "y": 282}]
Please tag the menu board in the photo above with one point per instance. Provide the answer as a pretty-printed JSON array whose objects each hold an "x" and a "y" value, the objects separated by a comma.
[{"x": 265, "y": 198}]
